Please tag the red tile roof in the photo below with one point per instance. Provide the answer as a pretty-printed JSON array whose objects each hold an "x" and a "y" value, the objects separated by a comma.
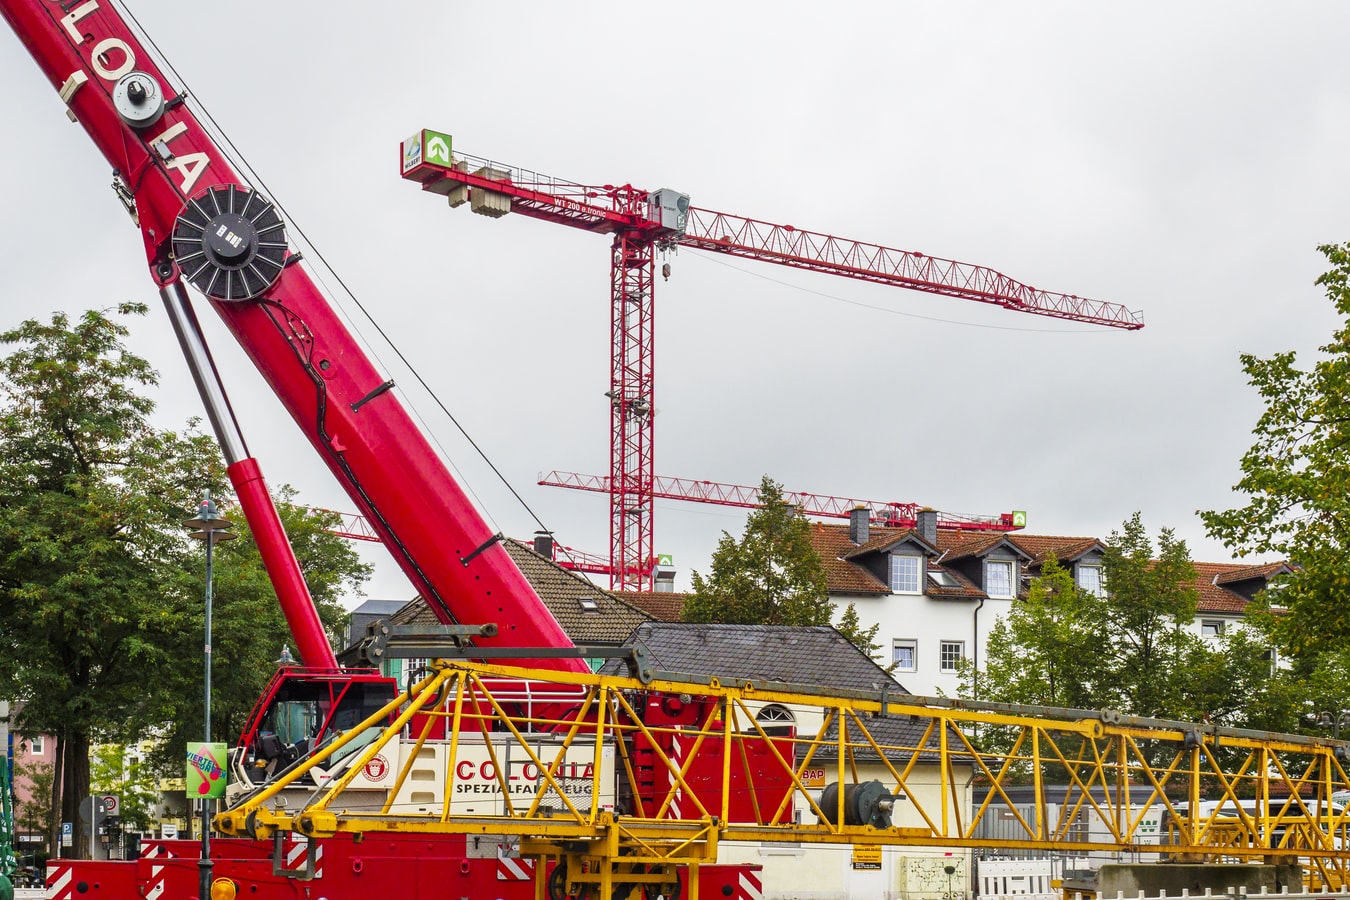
[
  {"x": 665, "y": 606},
  {"x": 1246, "y": 573},
  {"x": 1042, "y": 547},
  {"x": 1211, "y": 578},
  {"x": 844, "y": 576},
  {"x": 959, "y": 544}
]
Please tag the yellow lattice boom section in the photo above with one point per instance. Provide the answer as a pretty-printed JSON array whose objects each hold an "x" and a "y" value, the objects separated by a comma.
[{"x": 625, "y": 777}]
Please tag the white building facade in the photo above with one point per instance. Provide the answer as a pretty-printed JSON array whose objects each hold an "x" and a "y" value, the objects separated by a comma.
[{"x": 936, "y": 592}]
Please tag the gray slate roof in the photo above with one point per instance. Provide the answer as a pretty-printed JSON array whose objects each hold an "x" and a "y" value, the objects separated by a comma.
[
  {"x": 808, "y": 655},
  {"x": 817, "y": 656}
]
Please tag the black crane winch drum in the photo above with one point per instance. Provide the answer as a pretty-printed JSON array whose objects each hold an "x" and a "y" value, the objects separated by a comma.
[{"x": 230, "y": 242}]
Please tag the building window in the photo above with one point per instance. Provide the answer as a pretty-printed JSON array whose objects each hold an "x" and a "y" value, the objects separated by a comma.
[
  {"x": 951, "y": 653},
  {"x": 776, "y": 720},
  {"x": 1090, "y": 580},
  {"x": 905, "y": 574},
  {"x": 998, "y": 579},
  {"x": 941, "y": 579},
  {"x": 36, "y": 746},
  {"x": 904, "y": 654},
  {"x": 1211, "y": 628}
]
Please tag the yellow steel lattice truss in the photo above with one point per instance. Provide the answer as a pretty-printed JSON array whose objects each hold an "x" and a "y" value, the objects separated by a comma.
[{"x": 625, "y": 778}]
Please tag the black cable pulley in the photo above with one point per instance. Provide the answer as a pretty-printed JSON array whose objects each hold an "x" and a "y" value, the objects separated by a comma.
[{"x": 230, "y": 242}]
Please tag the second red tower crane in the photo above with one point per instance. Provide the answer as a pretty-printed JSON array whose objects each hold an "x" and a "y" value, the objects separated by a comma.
[{"x": 643, "y": 223}]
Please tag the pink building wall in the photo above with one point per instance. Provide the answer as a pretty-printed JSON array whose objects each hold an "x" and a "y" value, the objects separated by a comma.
[{"x": 24, "y": 756}]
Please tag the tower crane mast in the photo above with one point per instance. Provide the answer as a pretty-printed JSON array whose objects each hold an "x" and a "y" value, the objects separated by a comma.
[{"x": 643, "y": 223}]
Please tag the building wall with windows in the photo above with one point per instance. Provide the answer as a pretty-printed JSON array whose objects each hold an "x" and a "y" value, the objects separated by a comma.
[
  {"x": 30, "y": 751},
  {"x": 936, "y": 593}
]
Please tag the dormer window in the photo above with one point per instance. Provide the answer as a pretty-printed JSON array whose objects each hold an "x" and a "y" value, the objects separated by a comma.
[
  {"x": 1089, "y": 579},
  {"x": 998, "y": 578},
  {"x": 589, "y": 604},
  {"x": 906, "y": 574}
]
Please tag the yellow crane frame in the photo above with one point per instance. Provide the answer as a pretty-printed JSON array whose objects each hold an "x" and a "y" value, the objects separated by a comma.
[{"x": 1273, "y": 791}]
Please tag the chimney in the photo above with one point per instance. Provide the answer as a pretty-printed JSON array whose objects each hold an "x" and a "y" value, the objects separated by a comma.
[
  {"x": 543, "y": 544},
  {"x": 858, "y": 517},
  {"x": 927, "y": 521}
]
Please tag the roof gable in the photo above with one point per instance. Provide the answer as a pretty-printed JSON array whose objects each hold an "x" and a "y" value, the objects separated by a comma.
[
  {"x": 965, "y": 546},
  {"x": 562, "y": 591}
]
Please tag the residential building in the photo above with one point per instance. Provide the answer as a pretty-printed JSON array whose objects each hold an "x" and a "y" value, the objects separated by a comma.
[
  {"x": 937, "y": 592},
  {"x": 29, "y": 751}
]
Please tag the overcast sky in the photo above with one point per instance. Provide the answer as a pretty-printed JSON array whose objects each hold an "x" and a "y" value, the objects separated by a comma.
[{"x": 1180, "y": 159}]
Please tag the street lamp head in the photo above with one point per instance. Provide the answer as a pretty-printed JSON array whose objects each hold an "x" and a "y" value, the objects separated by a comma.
[{"x": 209, "y": 522}]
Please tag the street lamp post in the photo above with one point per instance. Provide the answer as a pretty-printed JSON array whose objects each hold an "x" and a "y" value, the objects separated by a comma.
[
  {"x": 1334, "y": 721},
  {"x": 210, "y": 527}
]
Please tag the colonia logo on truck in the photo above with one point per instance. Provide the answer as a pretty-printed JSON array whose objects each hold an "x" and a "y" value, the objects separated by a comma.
[{"x": 113, "y": 60}]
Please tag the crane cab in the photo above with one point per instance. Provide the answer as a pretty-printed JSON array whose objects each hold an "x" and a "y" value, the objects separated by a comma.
[{"x": 300, "y": 709}]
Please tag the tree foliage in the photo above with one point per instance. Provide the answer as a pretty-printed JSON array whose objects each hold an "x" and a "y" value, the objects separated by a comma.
[
  {"x": 865, "y": 639},
  {"x": 771, "y": 576},
  {"x": 1296, "y": 477},
  {"x": 1131, "y": 650},
  {"x": 116, "y": 772},
  {"x": 1047, "y": 650},
  {"x": 91, "y": 576},
  {"x": 248, "y": 629},
  {"x": 101, "y": 613}
]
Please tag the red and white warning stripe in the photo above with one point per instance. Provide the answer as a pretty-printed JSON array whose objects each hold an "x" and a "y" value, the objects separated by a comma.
[
  {"x": 750, "y": 886},
  {"x": 156, "y": 888},
  {"x": 156, "y": 850},
  {"x": 59, "y": 876},
  {"x": 296, "y": 851},
  {"x": 513, "y": 868},
  {"x": 676, "y": 752}
]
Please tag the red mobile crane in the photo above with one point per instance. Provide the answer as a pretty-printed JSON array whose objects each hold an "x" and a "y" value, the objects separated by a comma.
[
  {"x": 202, "y": 223},
  {"x": 644, "y": 223}
]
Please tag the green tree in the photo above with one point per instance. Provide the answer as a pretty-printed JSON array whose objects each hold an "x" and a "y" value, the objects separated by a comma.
[
  {"x": 123, "y": 775},
  {"x": 1296, "y": 477},
  {"x": 1133, "y": 649},
  {"x": 1149, "y": 605},
  {"x": 91, "y": 575},
  {"x": 101, "y": 613},
  {"x": 1047, "y": 651},
  {"x": 865, "y": 639},
  {"x": 771, "y": 576}
]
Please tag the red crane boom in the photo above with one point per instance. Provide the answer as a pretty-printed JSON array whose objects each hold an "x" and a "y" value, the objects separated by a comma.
[
  {"x": 643, "y": 222},
  {"x": 204, "y": 224}
]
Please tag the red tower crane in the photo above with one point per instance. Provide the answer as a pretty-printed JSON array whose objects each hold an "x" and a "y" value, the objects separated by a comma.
[
  {"x": 644, "y": 222},
  {"x": 885, "y": 513}
]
